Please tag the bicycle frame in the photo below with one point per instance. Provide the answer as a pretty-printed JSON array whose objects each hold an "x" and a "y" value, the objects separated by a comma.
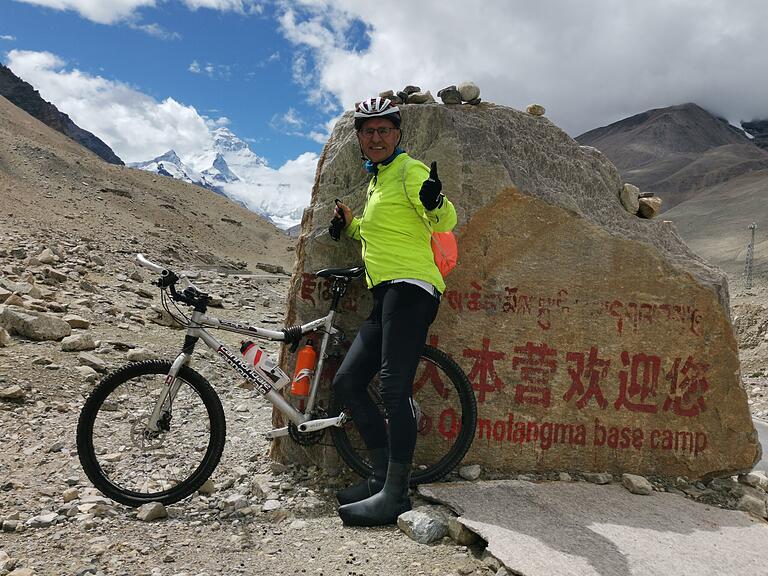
[{"x": 196, "y": 331}]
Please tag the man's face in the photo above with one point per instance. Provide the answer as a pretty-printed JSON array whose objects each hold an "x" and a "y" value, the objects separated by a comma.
[{"x": 375, "y": 146}]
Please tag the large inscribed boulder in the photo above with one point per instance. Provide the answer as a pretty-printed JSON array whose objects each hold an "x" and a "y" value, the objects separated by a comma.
[{"x": 595, "y": 340}]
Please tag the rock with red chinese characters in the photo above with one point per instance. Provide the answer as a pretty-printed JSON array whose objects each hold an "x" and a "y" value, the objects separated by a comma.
[{"x": 595, "y": 341}]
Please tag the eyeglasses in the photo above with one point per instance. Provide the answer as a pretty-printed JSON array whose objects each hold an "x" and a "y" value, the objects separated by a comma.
[{"x": 384, "y": 131}]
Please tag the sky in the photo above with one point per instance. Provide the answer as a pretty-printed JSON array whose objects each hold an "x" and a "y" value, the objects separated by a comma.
[{"x": 150, "y": 75}]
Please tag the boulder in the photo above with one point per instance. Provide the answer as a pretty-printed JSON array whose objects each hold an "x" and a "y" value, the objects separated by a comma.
[
  {"x": 33, "y": 325},
  {"x": 594, "y": 340}
]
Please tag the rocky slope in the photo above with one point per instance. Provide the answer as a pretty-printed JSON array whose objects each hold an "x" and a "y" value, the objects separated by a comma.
[{"x": 28, "y": 99}]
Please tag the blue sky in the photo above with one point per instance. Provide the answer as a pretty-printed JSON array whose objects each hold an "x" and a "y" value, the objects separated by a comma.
[
  {"x": 149, "y": 75},
  {"x": 243, "y": 65}
]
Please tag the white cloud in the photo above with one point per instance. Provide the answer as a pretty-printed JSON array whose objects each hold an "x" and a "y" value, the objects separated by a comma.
[
  {"x": 240, "y": 6},
  {"x": 8, "y": 37},
  {"x": 113, "y": 11},
  {"x": 136, "y": 126},
  {"x": 101, "y": 11},
  {"x": 589, "y": 63},
  {"x": 157, "y": 31},
  {"x": 221, "y": 71}
]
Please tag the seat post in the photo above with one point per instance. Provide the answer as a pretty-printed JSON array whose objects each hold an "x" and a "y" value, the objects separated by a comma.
[{"x": 338, "y": 289}]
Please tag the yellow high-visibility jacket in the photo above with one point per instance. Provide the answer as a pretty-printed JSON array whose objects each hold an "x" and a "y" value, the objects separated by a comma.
[{"x": 395, "y": 240}]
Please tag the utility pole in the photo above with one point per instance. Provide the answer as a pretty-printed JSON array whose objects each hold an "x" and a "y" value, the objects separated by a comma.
[{"x": 750, "y": 257}]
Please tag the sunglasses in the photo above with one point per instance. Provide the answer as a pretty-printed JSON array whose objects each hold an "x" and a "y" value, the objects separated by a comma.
[{"x": 384, "y": 131}]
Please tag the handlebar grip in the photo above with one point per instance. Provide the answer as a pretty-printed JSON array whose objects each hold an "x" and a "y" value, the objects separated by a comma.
[{"x": 141, "y": 261}]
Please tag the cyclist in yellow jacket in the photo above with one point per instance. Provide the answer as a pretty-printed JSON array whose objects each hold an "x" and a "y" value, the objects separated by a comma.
[{"x": 404, "y": 204}]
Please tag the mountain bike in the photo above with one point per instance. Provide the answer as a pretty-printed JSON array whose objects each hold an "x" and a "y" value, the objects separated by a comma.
[{"x": 154, "y": 431}]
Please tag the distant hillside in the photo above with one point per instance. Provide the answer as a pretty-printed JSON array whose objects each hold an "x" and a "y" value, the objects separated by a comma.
[
  {"x": 712, "y": 178},
  {"x": 28, "y": 99},
  {"x": 52, "y": 185},
  {"x": 676, "y": 152}
]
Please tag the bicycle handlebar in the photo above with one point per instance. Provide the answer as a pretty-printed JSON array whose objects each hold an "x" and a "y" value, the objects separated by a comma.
[{"x": 142, "y": 261}]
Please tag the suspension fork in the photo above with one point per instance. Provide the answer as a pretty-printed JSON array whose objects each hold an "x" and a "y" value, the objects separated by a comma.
[{"x": 171, "y": 386}]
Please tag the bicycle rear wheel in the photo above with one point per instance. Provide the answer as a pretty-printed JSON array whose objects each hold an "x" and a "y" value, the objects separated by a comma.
[
  {"x": 446, "y": 419},
  {"x": 133, "y": 465}
]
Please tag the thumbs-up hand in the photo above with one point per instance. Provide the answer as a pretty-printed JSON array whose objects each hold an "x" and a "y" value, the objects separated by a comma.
[{"x": 430, "y": 190}]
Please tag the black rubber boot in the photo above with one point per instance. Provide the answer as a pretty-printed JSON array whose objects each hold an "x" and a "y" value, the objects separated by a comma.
[
  {"x": 379, "y": 458},
  {"x": 382, "y": 508}
]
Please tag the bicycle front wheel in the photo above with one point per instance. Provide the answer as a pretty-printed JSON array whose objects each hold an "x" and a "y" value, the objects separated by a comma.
[
  {"x": 446, "y": 419},
  {"x": 132, "y": 464}
]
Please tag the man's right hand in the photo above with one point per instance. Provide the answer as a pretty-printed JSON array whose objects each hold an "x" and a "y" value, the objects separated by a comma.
[{"x": 342, "y": 216}]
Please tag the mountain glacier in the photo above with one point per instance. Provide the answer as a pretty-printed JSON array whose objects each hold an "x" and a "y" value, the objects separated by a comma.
[{"x": 229, "y": 167}]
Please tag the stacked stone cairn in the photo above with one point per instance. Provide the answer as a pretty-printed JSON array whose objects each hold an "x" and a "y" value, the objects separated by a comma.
[{"x": 466, "y": 92}]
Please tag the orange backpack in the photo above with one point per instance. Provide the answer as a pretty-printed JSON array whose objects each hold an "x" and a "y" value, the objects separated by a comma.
[{"x": 444, "y": 246}]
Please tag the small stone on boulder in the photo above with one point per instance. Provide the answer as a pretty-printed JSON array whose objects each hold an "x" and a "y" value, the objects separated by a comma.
[
  {"x": 420, "y": 98},
  {"x": 535, "y": 109},
  {"x": 649, "y": 207},
  {"x": 630, "y": 198},
  {"x": 449, "y": 95},
  {"x": 469, "y": 91}
]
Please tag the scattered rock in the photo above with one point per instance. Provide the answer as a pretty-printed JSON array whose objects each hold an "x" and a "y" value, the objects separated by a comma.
[
  {"x": 33, "y": 325},
  {"x": 46, "y": 257},
  {"x": 42, "y": 520},
  {"x": 78, "y": 343},
  {"x": 5, "y": 338},
  {"x": 270, "y": 505},
  {"x": 535, "y": 109},
  {"x": 636, "y": 484},
  {"x": 460, "y": 533},
  {"x": 598, "y": 477},
  {"x": 151, "y": 511},
  {"x": 424, "y": 525},
  {"x": 14, "y": 392},
  {"x": 140, "y": 355},
  {"x": 470, "y": 472},
  {"x": 70, "y": 494},
  {"x": 753, "y": 505},
  {"x": 93, "y": 361},
  {"x": 76, "y": 321}
]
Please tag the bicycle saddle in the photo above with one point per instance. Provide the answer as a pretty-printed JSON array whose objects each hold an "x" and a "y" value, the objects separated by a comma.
[{"x": 355, "y": 272}]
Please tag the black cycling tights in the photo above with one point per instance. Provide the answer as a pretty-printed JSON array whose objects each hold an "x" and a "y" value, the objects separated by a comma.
[{"x": 390, "y": 341}]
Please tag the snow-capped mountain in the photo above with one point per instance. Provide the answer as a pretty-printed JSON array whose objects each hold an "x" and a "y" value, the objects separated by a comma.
[
  {"x": 169, "y": 164},
  {"x": 228, "y": 166}
]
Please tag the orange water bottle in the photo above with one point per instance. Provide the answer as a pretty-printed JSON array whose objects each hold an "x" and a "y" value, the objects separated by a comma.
[{"x": 305, "y": 368}]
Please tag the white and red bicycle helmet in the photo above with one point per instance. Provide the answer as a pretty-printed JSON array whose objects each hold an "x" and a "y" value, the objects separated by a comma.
[{"x": 376, "y": 108}]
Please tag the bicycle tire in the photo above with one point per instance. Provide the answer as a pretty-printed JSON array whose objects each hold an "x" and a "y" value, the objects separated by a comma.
[
  {"x": 353, "y": 454},
  {"x": 120, "y": 381}
]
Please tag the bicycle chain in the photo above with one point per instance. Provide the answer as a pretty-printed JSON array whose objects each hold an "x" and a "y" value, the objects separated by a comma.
[{"x": 308, "y": 438}]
